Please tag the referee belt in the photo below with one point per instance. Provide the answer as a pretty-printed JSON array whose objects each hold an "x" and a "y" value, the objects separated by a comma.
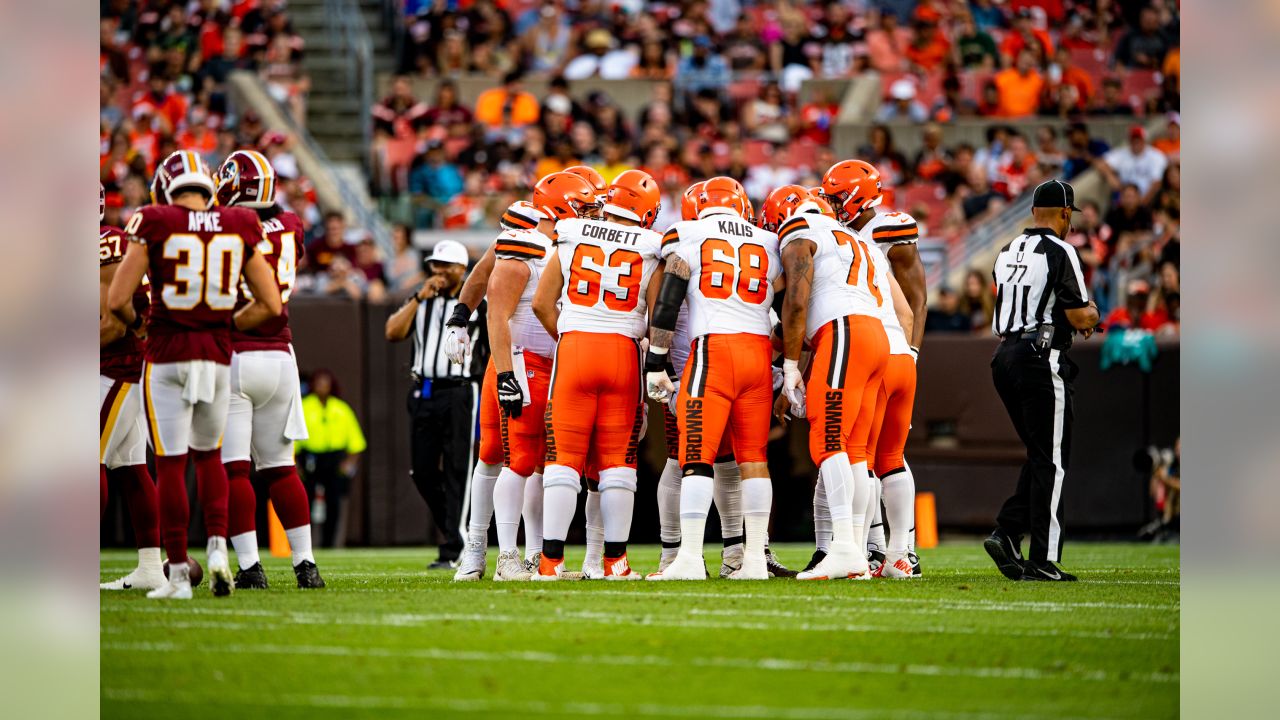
[
  {"x": 447, "y": 383},
  {"x": 1031, "y": 336}
]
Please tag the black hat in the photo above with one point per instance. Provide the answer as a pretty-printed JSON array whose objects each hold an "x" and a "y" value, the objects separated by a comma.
[{"x": 1054, "y": 194}]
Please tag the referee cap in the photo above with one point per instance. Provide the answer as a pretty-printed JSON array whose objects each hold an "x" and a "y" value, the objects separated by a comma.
[
  {"x": 449, "y": 251},
  {"x": 1054, "y": 194}
]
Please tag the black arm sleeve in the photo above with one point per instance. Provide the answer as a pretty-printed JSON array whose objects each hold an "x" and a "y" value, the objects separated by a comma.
[
  {"x": 666, "y": 311},
  {"x": 778, "y": 297}
]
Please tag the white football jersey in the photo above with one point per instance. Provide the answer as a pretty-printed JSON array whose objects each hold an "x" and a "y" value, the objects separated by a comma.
[
  {"x": 607, "y": 268},
  {"x": 899, "y": 344},
  {"x": 886, "y": 229},
  {"x": 847, "y": 279},
  {"x": 681, "y": 341},
  {"x": 532, "y": 248},
  {"x": 732, "y": 266}
]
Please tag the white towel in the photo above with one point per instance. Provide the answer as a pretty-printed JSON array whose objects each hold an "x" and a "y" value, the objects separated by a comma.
[
  {"x": 522, "y": 376},
  {"x": 295, "y": 427},
  {"x": 202, "y": 381}
]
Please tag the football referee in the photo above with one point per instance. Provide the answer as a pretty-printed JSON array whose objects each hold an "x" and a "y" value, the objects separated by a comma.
[
  {"x": 445, "y": 396},
  {"x": 1041, "y": 303}
]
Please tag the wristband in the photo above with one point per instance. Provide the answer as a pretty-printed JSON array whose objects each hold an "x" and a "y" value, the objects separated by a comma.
[
  {"x": 655, "y": 360},
  {"x": 461, "y": 315}
]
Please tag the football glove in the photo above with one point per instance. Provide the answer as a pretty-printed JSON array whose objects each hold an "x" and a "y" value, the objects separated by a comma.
[
  {"x": 510, "y": 396},
  {"x": 457, "y": 341},
  {"x": 658, "y": 375},
  {"x": 793, "y": 387}
]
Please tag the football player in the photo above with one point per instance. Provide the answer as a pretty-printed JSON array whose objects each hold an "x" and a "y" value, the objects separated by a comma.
[
  {"x": 834, "y": 292},
  {"x": 726, "y": 267},
  {"x": 265, "y": 408},
  {"x": 853, "y": 187},
  {"x": 195, "y": 255},
  {"x": 598, "y": 305},
  {"x": 522, "y": 350},
  {"x": 122, "y": 440}
]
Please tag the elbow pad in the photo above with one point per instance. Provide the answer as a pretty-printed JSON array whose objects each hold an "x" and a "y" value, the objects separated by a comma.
[
  {"x": 778, "y": 298},
  {"x": 670, "y": 297}
]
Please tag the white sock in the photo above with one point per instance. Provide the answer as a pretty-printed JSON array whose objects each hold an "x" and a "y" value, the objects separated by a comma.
[
  {"x": 899, "y": 506},
  {"x": 696, "y": 492},
  {"x": 532, "y": 514},
  {"x": 616, "y": 507},
  {"x": 821, "y": 517},
  {"x": 911, "y": 536},
  {"x": 246, "y": 545},
  {"x": 482, "y": 480},
  {"x": 861, "y": 489},
  {"x": 728, "y": 498},
  {"x": 149, "y": 560},
  {"x": 508, "y": 502},
  {"x": 757, "y": 502},
  {"x": 216, "y": 543},
  {"x": 300, "y": 544},
  {"x": 558, "y": 505},
  {"x": 875, "y": 533},
  {"x": 837, "y": 478},
  {"x": 669, "y": 502},
  {"x": 595, "y": 529}
]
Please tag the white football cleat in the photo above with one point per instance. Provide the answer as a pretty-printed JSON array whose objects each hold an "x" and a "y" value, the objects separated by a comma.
[
  {"x": 839, "y": 564},
  {"x": 684, "y": 567},
  {"x": 140, "y": 579},
  {"x": 472, "y": 563},
  {"x": 756, "y": 569},
  {"x": 730, "y": 560},
  {"x": 896, "y": 565},
  {"x": 668, "y": 556},
  {"x": 221, "y": 582},
  {"x": 510, "y": 567},
  {"x": 593, "y": 570},
  {"x": 177, "y": 587}
]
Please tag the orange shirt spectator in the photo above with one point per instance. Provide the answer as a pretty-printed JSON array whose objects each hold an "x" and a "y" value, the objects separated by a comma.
[
  {"x": 930, "y": 48},
  {"x": 507, "y": 105},
  {"x": 1019, "y": 88},
  {"x": 886, "y": 45},
  {"x": 1025, "y": 35}
]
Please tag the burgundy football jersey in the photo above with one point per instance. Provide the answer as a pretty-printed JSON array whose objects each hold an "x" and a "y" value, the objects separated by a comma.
[
  {"x": 282, "y": 249},
  {"x": 196, "y": 257},
  {"x": 122, "y": 359}
]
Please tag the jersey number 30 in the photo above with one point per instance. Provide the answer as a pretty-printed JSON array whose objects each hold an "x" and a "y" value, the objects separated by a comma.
[
  {"x": 203, "y": 271},
  {"x": 721, "y": 264},
  {"x": 585, "y": 279}
]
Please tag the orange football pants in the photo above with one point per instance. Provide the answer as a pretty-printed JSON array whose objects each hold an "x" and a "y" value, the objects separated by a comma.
[
  {"x": 596, "y": 408},
  {"x": 849, "y": 358},
  {"x": 523, "y": 437},
  {"x": 490, "y": 422},
  {"x": 888, "y": 438},
  {"x": 672, "y": 427},
  {"x": 727, "y": 389}
]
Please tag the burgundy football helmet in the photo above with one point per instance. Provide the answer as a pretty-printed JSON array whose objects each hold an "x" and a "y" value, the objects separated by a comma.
[
  {"x": 246, "y": 179},
  {"x": 183, "y": 169}
]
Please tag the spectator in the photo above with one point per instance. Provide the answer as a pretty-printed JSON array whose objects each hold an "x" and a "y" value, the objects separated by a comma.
[
  {"x": 612, "y": 162},
  {"x": 1019, "y": 87},
  {"x": 817, "y": 117},
  {"x": 169, "y": 106},
  {"x": 434, "y": 180},
  {"x": 404, "y": 270},
  {"x": 1112, "y": 101},
  {"x": 946, "y": 317},
  {"x": 766, "y": 117},
  {"x": 508, "y": 106},
  {"x": 1135, "y": 313},
  {"x": 986, "y": 15},
  {"x": 1166, "y": 302},
  {"x": 369, "y": 264},
  {"x": 1016, "y": 167},
  {"x": 1136, "y": 163},
  {"x": 929, "y": 48},
  {"x": 548, "y": 41},
  {"x": 1129, "y": 215},
  {"x": 763, "y": 178},
  {"x": 902, "y": 104},
  {"x": 794, "y": 50},
  {"x": 1047, "y": 152},
  {"x": 931, "y": 161},
  {"x": 838, "y": 41},
  {"x": 1026, "y": 36},
  {"x": 1167, "y": 196},
  {"x": 977, "y": 303},
  {"x": 702, "y": 70},
  {"x": 1088, "y": 237},
  {"x": 953, "y": 104},
  {"x": 324, "y": 250},
  {"x": 1170, "y": 143},
  {"x": 1082, "y": 150},
  {"x": 330, "y": 457},
  {"x": 881, "y": 152},
  {"x": 655, "y": 62},
  {"x": 601, "y": 59},
  {"x": 887, "y": 44},
  {"x": 467, "y": 208},
  {"x": 974, "y": 48},
  {"x": 1064, "y": 74},
  {"x": 1145, "y": 46}
]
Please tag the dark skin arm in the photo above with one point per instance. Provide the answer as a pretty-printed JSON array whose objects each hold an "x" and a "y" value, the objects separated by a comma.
[
  {"x": 909, "y": 272},
  {"x": 797, "y": 261},
  {"x": 401, "y": 321},
  {"x": 1084, "y": 319}
]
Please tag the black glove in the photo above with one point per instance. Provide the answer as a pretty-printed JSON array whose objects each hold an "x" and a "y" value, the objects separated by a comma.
[
  {"x": 510, "y": 396},
  {"x": 460, "y": 317}
]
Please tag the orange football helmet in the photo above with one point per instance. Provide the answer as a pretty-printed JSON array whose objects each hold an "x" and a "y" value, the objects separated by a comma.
[
  {"x": 781, "y": 204},
  {"x": 592, "y": 177},
  {"x": 689, "y": 203},
  {"x": 852, "y": 186},
  {"x": 563, "y": 195},
  {"x": 820, "y": 200},
  {"x": 635, "y": 195},
  {"x": 725, "y": 192}
]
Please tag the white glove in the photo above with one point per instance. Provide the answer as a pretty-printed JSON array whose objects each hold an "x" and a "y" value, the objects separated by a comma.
[
  {"x": 659, "y": 385},
  {"x": 778, "y": 377},
  {"x": 674, "y": 402},
  {"x": 793, "y": 387},
  {"x": 456, "y": 344}
]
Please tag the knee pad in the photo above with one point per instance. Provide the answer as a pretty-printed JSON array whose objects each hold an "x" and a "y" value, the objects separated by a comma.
[
  {"x": 560, "y": 475},
  {"x": 698, "y": 468},
  {"x": 623, "y": 478}
]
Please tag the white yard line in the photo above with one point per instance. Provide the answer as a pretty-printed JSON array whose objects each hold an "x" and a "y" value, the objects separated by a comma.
[{"x": 772, "y": 664}]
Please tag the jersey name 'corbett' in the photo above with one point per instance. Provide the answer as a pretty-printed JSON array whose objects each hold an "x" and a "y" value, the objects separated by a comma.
[{"x": 610, "y": 234}]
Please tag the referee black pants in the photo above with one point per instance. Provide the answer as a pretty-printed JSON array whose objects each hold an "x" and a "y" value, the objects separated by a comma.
[
  {"x": 442, "y": 437},
  {"x": 1035, "y": 387}
]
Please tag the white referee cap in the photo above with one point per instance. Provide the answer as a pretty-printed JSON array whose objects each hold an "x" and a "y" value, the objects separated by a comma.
[{"x": 449, "y": 251}]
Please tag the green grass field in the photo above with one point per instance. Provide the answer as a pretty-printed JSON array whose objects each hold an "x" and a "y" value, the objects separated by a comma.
[{"x": 388, "y": 639}]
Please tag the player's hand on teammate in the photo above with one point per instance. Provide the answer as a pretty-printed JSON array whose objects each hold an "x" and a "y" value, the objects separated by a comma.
[
  {"x": 659, "y": 386},
  {"x": 457, "y": 341},
  {"x": 793, "y": 387},
  {"x": 510, "y": 396}
]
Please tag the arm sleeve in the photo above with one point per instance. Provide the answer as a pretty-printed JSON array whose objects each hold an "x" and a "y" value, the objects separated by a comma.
[{"x": 1070, "y": 287}]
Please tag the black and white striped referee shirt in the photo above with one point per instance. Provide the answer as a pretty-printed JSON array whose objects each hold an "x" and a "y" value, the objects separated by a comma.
[
  {"x": 1038, "y": 278},
  {"x": 429, "y": 360}
]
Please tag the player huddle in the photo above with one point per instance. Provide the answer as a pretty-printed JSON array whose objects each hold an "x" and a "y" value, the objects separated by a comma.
[
  {"x": 197, "y": 361},
  {"x": 814, "y": 310}
]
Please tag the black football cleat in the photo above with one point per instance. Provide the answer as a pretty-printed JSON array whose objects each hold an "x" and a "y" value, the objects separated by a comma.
[
  {"x": 308, "y": 576},
  {"x": 442, "y": 564},
  {"x": 1045, "y": 572},
  {"x": 776, "y": 568},
  {"x": 914, "y": 559},
  {"x": 251, "y": 578},
  {"x": 1005, "y": 551},
  {"x": 818, "y": 556},
  {"x": 875, "y": 561}
]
